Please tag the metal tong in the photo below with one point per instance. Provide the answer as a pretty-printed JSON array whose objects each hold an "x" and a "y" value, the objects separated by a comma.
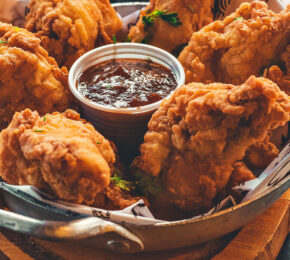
[{"x": 35, "y": 218}]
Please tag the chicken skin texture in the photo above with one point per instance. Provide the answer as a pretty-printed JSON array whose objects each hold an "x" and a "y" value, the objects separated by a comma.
[
  {"x": 261, "y": 154},
  {"x": 69, "y": 28},
  {"x": 60, "y": 153},
  {"x": 197, "y": 135},
  {"x": 29, "y": 77},
  {"x": 241, "y": 45},
  {"x": 280, "y": 77},
  {"x": 193, "y": 15}
]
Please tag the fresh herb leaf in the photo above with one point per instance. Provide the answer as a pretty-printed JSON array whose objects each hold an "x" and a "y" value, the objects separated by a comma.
[
  {"x": 171, "y": 18},
  {"x": 44, "y": 119},
  {"x": 98, "y": 142},
  {"x": 38, "y": 131},
  {"x": 114, "y": 39},
  {"x": 147, "y": 184},
  {"x": 122, "y": 184},
  {"x": 16, "y": 28},
  {"x": 3, "y": 41},
  {"x": 191, "y": 8},
  {"x": 238, "y": 18},
  {"x": 128, "y": 39},
  {"x": 108, "y": 87}
]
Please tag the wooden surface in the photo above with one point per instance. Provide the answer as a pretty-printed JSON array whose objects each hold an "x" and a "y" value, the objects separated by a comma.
[{"x": 260, "y": 239}]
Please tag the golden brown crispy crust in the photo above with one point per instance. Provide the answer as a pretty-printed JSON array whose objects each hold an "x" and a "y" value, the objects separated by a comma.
[
  {"x": 58, "y": 152},
  {"x": 197, "y": 135},
  {"x": 241, "y": 45},
  {"x": 29, "y": 77},
  {"x": 69, "y": 28},
  {"x": 194, "y": 14},
  {"x": 261, "y": 154},
  {"x": 281, "y": 77},
  {"x": 240, "y": 174}
]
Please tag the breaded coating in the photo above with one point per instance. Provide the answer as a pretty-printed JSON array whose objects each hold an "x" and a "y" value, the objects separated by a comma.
[
  {"x": 243, "y": 44},
  {"x": 69, "y": 28},
  {"x": 29, "y": 77},
  {"x": 261, "y": 154},
  {"x": 240, "y": 174},
  {"x": 280, "y": 77},
  {"x": 197, "y": 135},
  {"x": 58, "y": 152},
  {"x": 193, "y": 15}
]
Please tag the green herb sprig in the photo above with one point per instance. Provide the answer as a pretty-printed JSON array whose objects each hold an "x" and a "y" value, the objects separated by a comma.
[
  {"x": 38, "y": 131},
  {"x": 238, "y": 18},
  {"x": 3, "y": 41},
  {"x": 147, "y": 184},
  {"x": 120, "y": 182},
  {"x": 171, "y": 18},
  {"x": 114, "y": 39}
]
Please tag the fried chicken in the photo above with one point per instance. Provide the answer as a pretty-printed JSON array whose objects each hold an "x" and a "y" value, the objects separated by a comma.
[
  {"x": 240, "y": 174},
  {"x": 170, "y": 35},
  {"x": 59, "y": 153},
  {"x": 280, "y": 77},
  {"x": 29, "y": 77},
  {"x": 197, "y": 135},
  {"x": 241, "y": 45},
  {"x": 69, "y": 28},
  {"x": 261, "y": 154}
]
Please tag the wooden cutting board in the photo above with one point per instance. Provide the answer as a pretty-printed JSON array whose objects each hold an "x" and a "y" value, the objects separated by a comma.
[{"x": 261, "y": 239}]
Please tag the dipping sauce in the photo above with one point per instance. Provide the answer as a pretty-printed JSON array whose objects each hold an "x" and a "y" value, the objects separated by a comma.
[{"x": 124, "y": 83}]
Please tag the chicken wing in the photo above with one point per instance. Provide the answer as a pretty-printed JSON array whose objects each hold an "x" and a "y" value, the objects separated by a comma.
[
  {"x": 231, "y": 50},
  {"x": 59, "y": 153},
  {"x": 29, "y": 77},
  {"x": 197, "y": 135},
  {"x": 69, "y": 28},
  {"x": 158, "y": 26}
]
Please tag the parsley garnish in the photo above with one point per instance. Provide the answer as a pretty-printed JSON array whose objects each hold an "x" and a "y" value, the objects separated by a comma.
[
  {"x": 171, "y": 18},
  {"x": 44, "y": 118},
  {"x": 3, "y": 41},
  {"x": 16, "y": 28},
  {"x": 98, "y": 142},
  {"x": 147, "y": 184},
  {"x": 114, "y": 39},
  {"x": 38, "y": 130},
  {"x": 238, "y": 18},
  {"x": 108, "y": 87},
  {"x": 120, "y": 182},
  {"x": 128, "y": 39}
]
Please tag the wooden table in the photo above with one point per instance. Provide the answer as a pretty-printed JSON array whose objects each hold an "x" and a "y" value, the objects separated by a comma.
[{"x": 260, "y": 239}]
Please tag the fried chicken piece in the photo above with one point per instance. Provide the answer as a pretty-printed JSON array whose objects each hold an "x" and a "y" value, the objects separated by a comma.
[
  {"x": 261, "y": 154},
  {"x": 240, "y": 174},
  {"x": 231, "y": 50},
  {"x": 280, "y": 77},
  {"x": 29, "y": 77},
  {"x": 58, "y": 152},
  {"x": 197, "y": 135},
  {"x": 193, "y": 14},
  {"x": 69, "y": 28}
]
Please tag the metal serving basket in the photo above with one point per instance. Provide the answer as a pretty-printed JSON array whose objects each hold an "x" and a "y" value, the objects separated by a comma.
[{"x": 29, "y": 216}]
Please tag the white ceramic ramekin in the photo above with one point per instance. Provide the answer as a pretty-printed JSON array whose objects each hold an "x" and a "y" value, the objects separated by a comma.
[{"x": 124, "y": 126}]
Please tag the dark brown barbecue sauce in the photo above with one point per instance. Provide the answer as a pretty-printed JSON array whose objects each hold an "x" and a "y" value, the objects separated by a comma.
[{"x": 124, "y": 83}]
